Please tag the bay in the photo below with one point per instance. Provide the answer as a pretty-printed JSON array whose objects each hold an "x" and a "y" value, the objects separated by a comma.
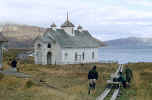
[{"x": 125, "y": 55}]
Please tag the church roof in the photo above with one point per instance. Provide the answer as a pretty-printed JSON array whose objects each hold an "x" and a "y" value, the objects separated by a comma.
[
  {"x": 44, "y": 38},
  {"x": 80, "y": 40},
  {"x": 2, "y": 38},
  {"x": 53, "y": 25},
  {"x": 67, "y": 23}
]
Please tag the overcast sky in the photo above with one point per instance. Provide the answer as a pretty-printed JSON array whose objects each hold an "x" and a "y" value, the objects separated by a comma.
[{"x": 105, "y": 19}]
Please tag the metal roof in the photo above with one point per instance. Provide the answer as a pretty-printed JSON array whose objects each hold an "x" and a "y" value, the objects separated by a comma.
[
  {"x": 67, "y": 23},
  {"x": 80, "y": 40}
]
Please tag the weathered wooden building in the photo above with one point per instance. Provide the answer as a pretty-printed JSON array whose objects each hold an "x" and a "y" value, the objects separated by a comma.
[
  {"x": 66, "y": 45},
  {"x": 2, "y": 41}
]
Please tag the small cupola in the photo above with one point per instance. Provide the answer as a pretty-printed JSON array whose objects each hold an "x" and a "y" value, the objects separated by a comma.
[
  {"x": 53, "y": 26},
  {"x": 68, "y": 27},
  {"x": 79, "y": 28}
]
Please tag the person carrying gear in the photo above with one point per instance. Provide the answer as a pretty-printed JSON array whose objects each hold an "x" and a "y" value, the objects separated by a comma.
[
  {"x": 122, "y": 79},
  {"x": 92, "y": 77},
  {"x": 14, "y": 64},
  {"x": 129, "y": 74}
]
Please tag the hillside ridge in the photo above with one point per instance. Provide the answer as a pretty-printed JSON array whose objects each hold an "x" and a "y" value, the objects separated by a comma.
[{"x": 20, "y": 36}]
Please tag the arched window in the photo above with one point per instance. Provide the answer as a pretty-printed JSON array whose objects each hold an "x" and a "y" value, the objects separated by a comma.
[
  {"x": 83, "y": 55},
  {"x": 76, "y": 56},
  {"x": 65, "y": 55},
  {"x": 72, "y": 31},
  {"x": 39, "y": 46},
  {"x": 49, "y": 45},
  {"x": 93, "y": 55}
]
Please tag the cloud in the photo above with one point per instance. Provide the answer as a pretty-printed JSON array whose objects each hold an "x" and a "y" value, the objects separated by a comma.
[
  {"x": 140, "y": 2},
  {"x": 113, "y": 19}
]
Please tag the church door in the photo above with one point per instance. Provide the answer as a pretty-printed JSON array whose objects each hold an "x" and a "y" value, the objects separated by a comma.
[{"x": 49, "y": 58}]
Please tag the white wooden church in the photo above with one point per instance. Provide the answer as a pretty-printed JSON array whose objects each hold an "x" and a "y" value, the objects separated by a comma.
[
  {"x": 66, "y": 45},
  {"x": 3, "y": 41}
]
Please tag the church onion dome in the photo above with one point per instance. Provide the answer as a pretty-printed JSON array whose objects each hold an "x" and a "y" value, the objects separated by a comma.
[
  {"x": 67, "y": 23},
  {"x": 79, "y": 27},
  {"x": 53, "y": 25}
]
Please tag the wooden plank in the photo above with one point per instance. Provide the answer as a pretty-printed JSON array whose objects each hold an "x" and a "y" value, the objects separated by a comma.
[
  {"x": 117, "y": 72},
  {"x": 115, "y": 94},
  {"x": 104, "y": 94},
  {"x": 114, "y": 75},
  {"x": 107, "y": 90},
  {"x": 121, "y": 70}
]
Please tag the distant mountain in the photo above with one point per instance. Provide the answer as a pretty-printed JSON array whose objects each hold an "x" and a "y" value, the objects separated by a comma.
[
  {"x": 131, "y": 42},
  {"x": 20, "y": 36}
]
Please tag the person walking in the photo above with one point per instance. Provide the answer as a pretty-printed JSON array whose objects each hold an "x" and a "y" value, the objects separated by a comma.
[
  {"x": 92, "y": 77},
  {"x": 14, "y": 64},
  {"x": 129, "y": 74},
  {"x": 122, "y": 79}
]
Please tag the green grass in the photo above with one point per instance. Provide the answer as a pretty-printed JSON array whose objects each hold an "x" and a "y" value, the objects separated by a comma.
[
  {"x": 64, "y": 82},
  {"x": 141, "y": 88},
  {"x": 69, "y": 82}
]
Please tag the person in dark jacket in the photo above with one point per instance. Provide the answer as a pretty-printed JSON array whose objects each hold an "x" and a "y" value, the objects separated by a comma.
[
  {"x": 92, "y": 77},
  {"x": 129, "y": 74},
  {"x": 14, "y": 64},
  {"x": 122, "y": 79}
]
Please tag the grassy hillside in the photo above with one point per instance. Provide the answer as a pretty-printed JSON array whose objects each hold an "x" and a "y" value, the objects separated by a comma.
[
  {"x": 21, "y": 36},
  {"x": 69, "y": 82}
]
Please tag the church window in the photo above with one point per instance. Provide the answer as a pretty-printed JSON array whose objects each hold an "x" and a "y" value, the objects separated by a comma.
[
  {"x": 76, "y": 56},
  {"x": 39, "y": 46},
  {"x": 72, "y": 31},
  {"x": 66, "y": 55},
  {"x": 93, "y": 55},
  {"x": 49, "y": 45},
  {"x": 83, "y": 55}
]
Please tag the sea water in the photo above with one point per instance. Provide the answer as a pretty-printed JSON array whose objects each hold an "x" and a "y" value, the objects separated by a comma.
[{"x": 125, "y": 55}]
